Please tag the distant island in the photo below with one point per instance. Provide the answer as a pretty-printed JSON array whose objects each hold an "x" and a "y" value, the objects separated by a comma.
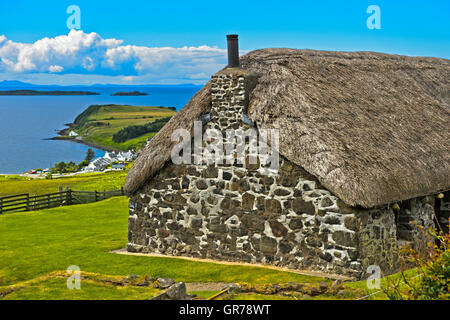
[
  {"x": 46, "y": 93},
  {"x": 132, "y": 93}
]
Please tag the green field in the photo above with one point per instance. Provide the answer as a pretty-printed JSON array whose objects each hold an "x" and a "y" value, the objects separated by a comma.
[
  {"x": 34, "y": 244},
  {"x": 15, "y": 184},
  {"x": 98, "y": 124},
  {"x": 37, "y": 247}
]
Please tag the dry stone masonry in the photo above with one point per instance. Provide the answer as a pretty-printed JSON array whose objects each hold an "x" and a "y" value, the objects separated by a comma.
[{"x": 235, "y": 213}]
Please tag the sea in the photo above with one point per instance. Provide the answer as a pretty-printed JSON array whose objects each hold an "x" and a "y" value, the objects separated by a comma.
[{"x": 27, "y": 121}]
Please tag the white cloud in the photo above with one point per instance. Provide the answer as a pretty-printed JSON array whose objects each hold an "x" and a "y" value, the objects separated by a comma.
[
  {"x": 55, "y": 68},
  {"x": 90, "y": 54}
]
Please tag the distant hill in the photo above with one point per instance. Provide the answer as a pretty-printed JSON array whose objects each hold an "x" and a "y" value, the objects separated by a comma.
[
  {"x": 46, "y": 93},
  {"x": 132, "y": 125},
  {"x": 132, "y": 93},
  {"x": 26, "y": 85}
]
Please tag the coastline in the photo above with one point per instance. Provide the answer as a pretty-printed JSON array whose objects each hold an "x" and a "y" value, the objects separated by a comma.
[{"x": 87, "y": 143}]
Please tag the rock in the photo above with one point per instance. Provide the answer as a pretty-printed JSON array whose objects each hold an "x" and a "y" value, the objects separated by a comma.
[
  {"x": 326, "y": 202},
  {"x": 344, "y": 238},
  {"x": 177, "y": 291},
  {"x": 143, "y": 284},
  {"x": 278, "y": 229},
  {"x": 247, "y": 201},
  {"x": 196, "y": 222},
  {"x": 163, "y": 233},
  {"x": 227, "y": 175},
  {"x": 285, "y": 247},
  {"x": 295, "y": 224},
  {"x": 326, "y": 256},
  {"x": 351, "y": 223},
  {"x": 332, "y": 220},
  {"x": 300, "y": 206},
  {"x": 313, "y": 291},
  {"x": 132, "y": 276},
  {"x": 185, "y": 183},
  {"x": 210, "y": 172},
  {"x": 272, "y": 207},
  {"x": 281, "y": 192},
  {"x": 289, "y": 181},
  {"x": 342, "y": 293},
  {"x": 268, "y": 245},
  {"x": 323, "y": 286},
  {"x": 165, "y": 282},
  {"x": 201, "y": 185}
]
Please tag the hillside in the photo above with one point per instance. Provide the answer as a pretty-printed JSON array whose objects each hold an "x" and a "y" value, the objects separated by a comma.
[
  {"x": 98, "y": 124},
  {"x": 46, "y": 93}
]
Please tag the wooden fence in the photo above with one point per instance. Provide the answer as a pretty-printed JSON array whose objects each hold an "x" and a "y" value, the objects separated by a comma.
[{"x": 25, "y": 202}]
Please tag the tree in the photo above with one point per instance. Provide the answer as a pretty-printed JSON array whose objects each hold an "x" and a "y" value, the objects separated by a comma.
[
  {"x": 60, "y": 167},
  {"x": 90, "y": 154}
]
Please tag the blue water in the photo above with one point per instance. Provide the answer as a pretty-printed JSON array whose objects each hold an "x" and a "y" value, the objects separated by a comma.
[{"x": 25, "y": 121}]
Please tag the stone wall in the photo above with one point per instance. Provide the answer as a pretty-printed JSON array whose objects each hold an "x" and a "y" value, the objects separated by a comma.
[
  {"x": 419, "y": 211},
  {"x": 444, "y": 212},
  {"x": 237, "y": 213}
]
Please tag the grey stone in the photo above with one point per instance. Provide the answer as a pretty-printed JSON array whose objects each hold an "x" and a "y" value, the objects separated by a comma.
[
  {"x": 345, "y": 238},
  {"x": 177, "y": 291},
  {"x": 196, "y": 222},
  {"x": 201, "y": 185},
  {"x": 165, "y": 282},
  {"x": 301, "y": 206},
  {"x": 332, "y": 220},
  {"x": 295, "y": 223},
  {"x": 268, "y": 245},
  {"x": 278, "y": 229}
]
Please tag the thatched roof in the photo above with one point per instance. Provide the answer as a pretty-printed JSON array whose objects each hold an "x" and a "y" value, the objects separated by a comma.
[{"x": 373, "y": 128}]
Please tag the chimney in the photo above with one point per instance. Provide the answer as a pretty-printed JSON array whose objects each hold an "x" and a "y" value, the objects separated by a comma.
[{"x": 233, "y": 51}]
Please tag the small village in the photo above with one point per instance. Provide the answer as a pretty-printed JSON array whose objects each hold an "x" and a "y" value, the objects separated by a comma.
[{"x": 111, "y": 161}]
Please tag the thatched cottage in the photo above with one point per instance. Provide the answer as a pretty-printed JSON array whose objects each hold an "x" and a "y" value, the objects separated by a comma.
[{"x": 364, "y": 150}]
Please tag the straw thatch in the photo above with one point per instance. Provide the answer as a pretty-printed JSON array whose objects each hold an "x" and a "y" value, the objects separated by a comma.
[{"x": 373, "y": 128}]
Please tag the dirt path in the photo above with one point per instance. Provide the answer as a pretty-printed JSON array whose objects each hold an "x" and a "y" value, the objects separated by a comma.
[
  {"x": 206, "y": 286},
  {"x": 303, "y": 272}
]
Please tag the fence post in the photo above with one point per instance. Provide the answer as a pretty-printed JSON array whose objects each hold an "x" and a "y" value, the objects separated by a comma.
[
  {"x": 28, "y": 202},
  {"x": 121, "y": 190},
  {"x": 1, "y": 206},
  {"x": 95, "y": 194},
  {"x": 60, "y": 190},
  {"x": 69, "y": 194}
]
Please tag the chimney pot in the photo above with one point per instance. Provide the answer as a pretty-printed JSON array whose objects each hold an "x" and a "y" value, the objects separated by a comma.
[{"x": 233, "y": 51}]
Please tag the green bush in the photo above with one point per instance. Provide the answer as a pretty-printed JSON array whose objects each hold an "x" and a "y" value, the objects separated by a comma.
[
  {"x": 433, "y": 267},
  {"x": 131, "y": 132}
]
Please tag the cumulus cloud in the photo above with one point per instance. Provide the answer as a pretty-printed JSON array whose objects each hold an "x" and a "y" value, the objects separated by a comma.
[
  {"x": 55, "y": 68},
  {"x": 88, "y": 53}
]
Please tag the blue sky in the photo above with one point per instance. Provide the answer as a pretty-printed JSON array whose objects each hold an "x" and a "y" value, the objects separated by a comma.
[{"x": 417, "y": 28}]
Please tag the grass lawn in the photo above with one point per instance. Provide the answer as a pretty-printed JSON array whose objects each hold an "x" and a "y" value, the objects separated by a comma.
[
  {"x": 14, "y": 184},
  {"x": 115, "y": 117},
  {"x": 56, "y": 289},
  {"x": 34, "y": 244}
]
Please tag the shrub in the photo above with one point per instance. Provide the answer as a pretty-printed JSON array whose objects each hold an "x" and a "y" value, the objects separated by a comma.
[
  {"x": 433, "y": 267},
  {"x": 135, "y": 131}
]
